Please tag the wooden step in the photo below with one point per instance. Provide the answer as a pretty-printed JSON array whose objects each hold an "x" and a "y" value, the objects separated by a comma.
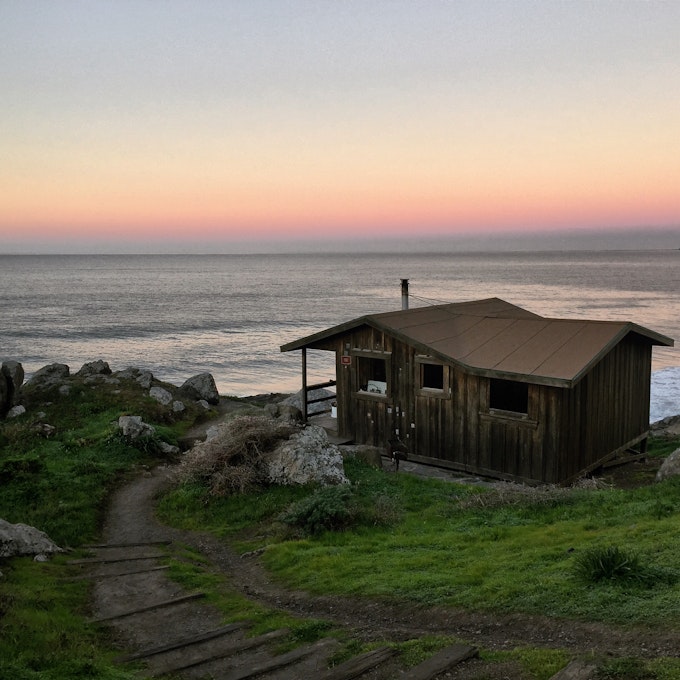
[
  {"x": 179, "y": 644},
  {"x": 440, "y": 662},
  {"x": 358, "y": 665},
  {"x": 235, "y": 648},
  {"x": 151, "y": 607}
]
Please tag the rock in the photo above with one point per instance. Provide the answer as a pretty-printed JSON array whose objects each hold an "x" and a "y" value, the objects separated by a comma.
[
  {"x": 161, "y": 395},
  {"x": 21, "y": 539},
  {"x": 134, "y": 427},
  {"x": 201, "y": 386},
  {"x": 91, "y": 368},
  {"x": 44, "y": 429},
  {"x": 169, "y": 449},
  {"x": 320, "y": 407},
  {"x": 670, "y": 467},
  {"x": 5, "y": 394},
  {"x": 144, "y": 378},
  {"x": 668, "y": 428},
  {"x": 372, "y": 455},
  {"x": 281, "y": 411},
  {"x": 64, "y": 390},
  {"x": 178, "y": 406},
  {"x": 12, "y": 374},
  {"x": 204, "y": 404},
  {"x": 16, "y": 411},
  {"x": 14, "y": 371},
  {"x": 307, "y": 457},
  {"x": 49, "y": 376}
]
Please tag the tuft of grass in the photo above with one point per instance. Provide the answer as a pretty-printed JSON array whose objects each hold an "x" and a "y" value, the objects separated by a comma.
[{"x": 615, "y": 565}]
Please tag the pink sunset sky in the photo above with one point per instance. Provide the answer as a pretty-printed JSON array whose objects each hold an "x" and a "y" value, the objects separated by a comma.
[{"x": 157, "y": 126}]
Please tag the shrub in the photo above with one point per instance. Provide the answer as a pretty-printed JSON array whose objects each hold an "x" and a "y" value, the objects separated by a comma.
[
  {"x": 232, "y": 462},
  {"x": 611, "y": 563},
  {"x": 326, "y": 509}
]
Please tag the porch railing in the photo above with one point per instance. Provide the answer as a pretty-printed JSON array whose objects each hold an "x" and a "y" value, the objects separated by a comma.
[{"x": 307, "y": 402}]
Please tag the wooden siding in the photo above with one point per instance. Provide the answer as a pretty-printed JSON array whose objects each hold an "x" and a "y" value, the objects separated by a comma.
[{"x": 564, "y": 432}]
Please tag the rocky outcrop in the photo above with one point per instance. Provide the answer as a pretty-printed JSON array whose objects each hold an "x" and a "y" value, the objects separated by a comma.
[
  {"x": 21, "y": 539},
  {"x": 140, "y": 376},
  {"x": 670, "y": 467},
  {"x": 201, "y": 386},
  {"x": 11, "y": 380},
  {"x": 91, "y": 368},
  {"x": 318, "y": 407},
  {"x": 52, "y": 375},
  {"x": 668, "y": 428},
  {"x": 307, "y": 457}
]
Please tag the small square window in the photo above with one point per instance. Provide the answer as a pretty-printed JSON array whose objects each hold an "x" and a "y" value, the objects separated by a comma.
[
  {"x": 432, "y": 376},
  {"x": 509, "y": 395},
  {"x": 372, "y": 375}
]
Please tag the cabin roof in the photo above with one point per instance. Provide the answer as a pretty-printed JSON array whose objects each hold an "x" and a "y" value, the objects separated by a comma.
[{"x": 493, "y": 337}]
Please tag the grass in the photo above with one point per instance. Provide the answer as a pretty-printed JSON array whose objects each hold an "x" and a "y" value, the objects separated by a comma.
[
  {"x": 60, "y": 485},
  {"x": 402, "y": 538},
  {"x": 445, "y": 548}
]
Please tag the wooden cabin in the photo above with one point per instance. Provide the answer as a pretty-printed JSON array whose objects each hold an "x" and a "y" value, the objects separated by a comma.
[{"x": 489, "y": 388}]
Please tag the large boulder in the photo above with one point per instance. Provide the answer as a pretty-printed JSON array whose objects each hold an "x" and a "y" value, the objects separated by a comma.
[
  {"x": 52, "y": 375},
  {"x": 313, "y": 395},
  {"x": 91, "y": 368},
  {"x": 21, "y": 539},
  {"x": 667, "y": 428},
  {"x": 307, "y": 457},
  {"x": 5, "y": 394},
  {"x": 14, "y": 372},
  {"x": 140, "y": 376},
  {"x": 201, "y": 386},
  {"x": 670, "y": 467}
]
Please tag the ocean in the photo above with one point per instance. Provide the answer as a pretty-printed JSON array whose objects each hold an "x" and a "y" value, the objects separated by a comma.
[{"x": 179, "y": 315}]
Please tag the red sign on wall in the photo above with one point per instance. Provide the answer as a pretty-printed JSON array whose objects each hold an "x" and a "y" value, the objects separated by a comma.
[{"x": 346, "y": 361}]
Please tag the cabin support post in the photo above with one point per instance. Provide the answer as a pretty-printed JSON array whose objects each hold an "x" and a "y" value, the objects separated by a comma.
[{"x": 304, "y": 384}]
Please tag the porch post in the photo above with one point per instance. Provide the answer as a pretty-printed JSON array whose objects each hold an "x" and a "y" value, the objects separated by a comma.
[{"x": 304, "y": 384}]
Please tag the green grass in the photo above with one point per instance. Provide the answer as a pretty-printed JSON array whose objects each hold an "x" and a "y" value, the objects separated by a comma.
[
  {"x": 409, "y": 539},
  {"x": 445, "y": 549},
  {"x": 60, "y": 485},
  {"x": 44, "y": 633}
]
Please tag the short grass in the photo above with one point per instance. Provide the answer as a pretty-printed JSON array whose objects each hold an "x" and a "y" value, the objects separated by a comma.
[
  {"x": 59, "y": 485},
  {"x": 446, "y": 549}
]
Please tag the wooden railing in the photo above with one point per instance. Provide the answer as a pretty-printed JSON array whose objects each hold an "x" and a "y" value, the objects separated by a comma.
[{"x": 306, "y": 402}]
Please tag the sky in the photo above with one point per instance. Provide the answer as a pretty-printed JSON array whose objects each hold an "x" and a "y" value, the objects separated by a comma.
[{"x": 213, "y": 126}]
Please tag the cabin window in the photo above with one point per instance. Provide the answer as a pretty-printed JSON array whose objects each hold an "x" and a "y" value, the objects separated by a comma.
[
  {"x": 372, "y": 375},
  {"x": 431, "y": 376},
  {"x": 509, "y": 395}
]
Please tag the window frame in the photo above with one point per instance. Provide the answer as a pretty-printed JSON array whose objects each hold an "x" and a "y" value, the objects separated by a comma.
[
  {"x": 360, "y": 355},
  {"x": 443, "y": 392},
  {"x": 507, "y": 399}
]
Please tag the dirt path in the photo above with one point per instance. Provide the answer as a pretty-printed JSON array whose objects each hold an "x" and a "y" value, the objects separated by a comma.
[{"x": 131, "y": 520}]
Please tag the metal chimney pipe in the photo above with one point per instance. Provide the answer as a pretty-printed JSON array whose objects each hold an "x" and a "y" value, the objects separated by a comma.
[{"x": 404, "y": 293}]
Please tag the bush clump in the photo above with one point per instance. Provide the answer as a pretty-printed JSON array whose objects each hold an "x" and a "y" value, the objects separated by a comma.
[
  {"x": 232, "y": 461},
  {"x": 614, "y": 565},
  {"x": 327, "y": 509}
]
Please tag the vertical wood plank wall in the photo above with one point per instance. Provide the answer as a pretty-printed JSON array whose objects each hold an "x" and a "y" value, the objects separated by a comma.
[{"x": 566, "y": 430}]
